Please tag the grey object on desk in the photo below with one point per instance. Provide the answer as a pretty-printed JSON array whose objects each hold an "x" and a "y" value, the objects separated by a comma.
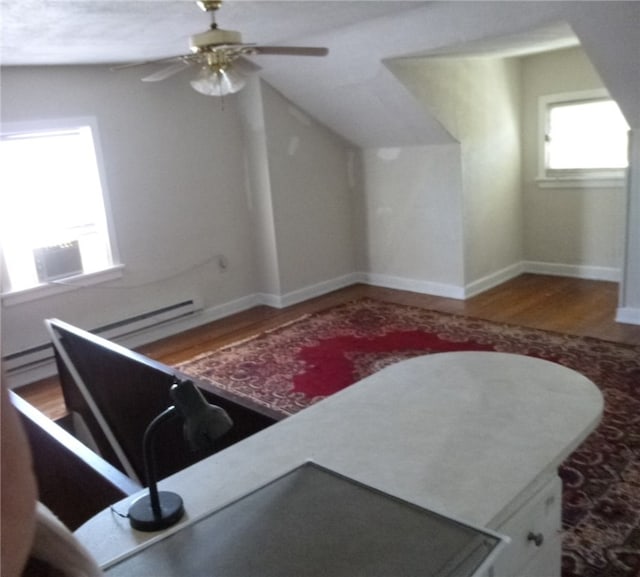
[{"x": 314, "y": 522}]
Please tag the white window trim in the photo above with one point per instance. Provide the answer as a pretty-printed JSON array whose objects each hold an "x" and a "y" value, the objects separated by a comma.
[
  {"x": 52, "y": 288},
  {"x": 584, "y": 179},
  {"x": 12, "y": 297},
  {"x": 617, "y": 180}
]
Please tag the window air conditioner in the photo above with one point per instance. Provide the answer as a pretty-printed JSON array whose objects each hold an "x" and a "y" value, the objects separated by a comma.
[{"x": 58, "y": 261}]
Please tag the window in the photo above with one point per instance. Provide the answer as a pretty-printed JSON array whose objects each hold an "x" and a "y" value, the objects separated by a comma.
[
  {"x": 584, "y": 135},
  {"x": 53, "y": 221}
]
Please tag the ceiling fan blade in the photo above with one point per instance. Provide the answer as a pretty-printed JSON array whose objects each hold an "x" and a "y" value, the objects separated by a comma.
[
  {"x": 245, "y": 66},
  {"x": 145, "y": 62},
  {"x": 291, "y": 50},
  {"x": 129, "y": 65},
  {"x": 168, "y": 71}
]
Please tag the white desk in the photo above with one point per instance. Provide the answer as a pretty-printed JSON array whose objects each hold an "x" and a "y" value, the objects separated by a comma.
[{"x": 477, "y": 436}]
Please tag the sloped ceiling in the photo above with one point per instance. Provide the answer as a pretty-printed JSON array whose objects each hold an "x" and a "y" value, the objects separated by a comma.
[{"x": 351, "y": 90}]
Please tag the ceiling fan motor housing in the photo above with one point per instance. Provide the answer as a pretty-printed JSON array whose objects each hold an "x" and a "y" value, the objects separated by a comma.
[
  {"x": 214, "y": 37},
  {"x": 209, "y": 5}
]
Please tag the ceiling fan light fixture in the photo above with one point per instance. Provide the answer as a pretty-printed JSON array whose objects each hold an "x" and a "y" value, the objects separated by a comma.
[{"x": 217, "y": 81}]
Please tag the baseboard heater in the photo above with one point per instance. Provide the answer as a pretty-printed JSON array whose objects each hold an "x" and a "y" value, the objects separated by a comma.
[{"x": 37, "y": 356}]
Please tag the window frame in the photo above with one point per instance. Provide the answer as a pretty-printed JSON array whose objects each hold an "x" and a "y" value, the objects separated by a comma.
[
  {"x": 571, "y": 178},
  {"x": 113, "y": 271}
]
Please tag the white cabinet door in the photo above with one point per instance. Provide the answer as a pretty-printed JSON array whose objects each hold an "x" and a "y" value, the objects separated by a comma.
[{"x": 535, "y": 531}]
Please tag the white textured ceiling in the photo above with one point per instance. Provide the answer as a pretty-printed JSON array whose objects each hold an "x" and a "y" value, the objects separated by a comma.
[
  {"x": 350, "y": 90},
  {"x": 116, "y": 31}
]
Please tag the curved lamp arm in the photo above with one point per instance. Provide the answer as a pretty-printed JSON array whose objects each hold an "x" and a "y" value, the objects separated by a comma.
[{"x": 203, "y": 424}]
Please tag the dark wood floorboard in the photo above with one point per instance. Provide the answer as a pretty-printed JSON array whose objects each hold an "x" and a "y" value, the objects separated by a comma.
[{"x": 567, "y": 305}]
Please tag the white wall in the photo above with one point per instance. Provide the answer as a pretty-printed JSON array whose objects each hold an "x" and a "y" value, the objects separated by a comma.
[
  {"x": 569, "y": 230},
  {"x": 177, "y": 199},
  {"x": 311, "y": 196},
  {"x": 183, "y": 191},
  {"x": 411, "y": 219},
  {"x": 629, "y": 310},
  {"x": 259, "y": 196},
  {"x": 478, "y": 102}
]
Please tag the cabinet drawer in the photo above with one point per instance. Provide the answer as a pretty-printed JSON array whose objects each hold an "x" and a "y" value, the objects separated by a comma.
[{"x": 535, "y": 534}]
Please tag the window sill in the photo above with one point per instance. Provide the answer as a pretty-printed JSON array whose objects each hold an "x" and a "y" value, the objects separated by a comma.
[
  {"x": 581, "y": 181},
  {"x": 61, "y": 286}
]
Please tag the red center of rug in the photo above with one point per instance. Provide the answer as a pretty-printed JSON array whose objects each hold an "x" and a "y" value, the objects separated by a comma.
[{"x": 332, "y": 364}]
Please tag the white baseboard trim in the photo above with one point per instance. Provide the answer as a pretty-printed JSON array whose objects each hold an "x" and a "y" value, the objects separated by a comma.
[
  {"x": 413, "y": 285},
  {"x": 573, "y": 270},
  {"x": 31, "y": 375},
  {"x": 492, "y": 280},
  {"x": 628, "y": 316},
  {"x": 309, "y": 292}
]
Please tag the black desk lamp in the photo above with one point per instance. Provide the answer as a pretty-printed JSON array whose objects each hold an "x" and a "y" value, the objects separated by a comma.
[{"x": 203, "y": 424}]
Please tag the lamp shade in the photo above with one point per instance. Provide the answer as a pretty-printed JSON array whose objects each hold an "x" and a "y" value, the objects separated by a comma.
[
  {"x": 203, "y": 422},
  {"x": 218, "y": 81}
]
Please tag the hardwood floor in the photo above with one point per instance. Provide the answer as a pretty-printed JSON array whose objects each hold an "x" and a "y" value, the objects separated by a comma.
[{"x": 567, "y": 305}]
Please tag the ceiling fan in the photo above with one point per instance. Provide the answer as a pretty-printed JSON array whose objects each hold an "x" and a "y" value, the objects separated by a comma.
[{"x": 220, "y": 54}]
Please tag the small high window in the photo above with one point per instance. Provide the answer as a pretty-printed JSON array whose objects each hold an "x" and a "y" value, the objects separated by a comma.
[
  {"x": 584, "y": 135},
  {"x": 53, "y": 218}
]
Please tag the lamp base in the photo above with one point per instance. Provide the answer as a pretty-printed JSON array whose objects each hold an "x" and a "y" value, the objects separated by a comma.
[{"x": 142, "y": 517}]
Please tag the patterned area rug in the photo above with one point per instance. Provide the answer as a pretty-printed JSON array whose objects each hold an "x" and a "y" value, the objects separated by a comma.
[{"x": 302, "y": 362}]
